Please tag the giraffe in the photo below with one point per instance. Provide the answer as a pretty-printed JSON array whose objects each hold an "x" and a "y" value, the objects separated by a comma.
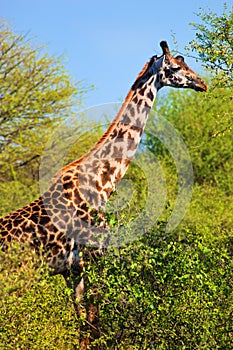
[{"x": 68, "y": 219}]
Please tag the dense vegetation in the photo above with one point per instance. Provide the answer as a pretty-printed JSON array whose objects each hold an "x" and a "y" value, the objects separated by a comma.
[{"x": 165, "y": 290}]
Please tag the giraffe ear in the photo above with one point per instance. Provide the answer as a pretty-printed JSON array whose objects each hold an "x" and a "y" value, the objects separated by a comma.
[
  {"x": 165, "y": 48},
  {"x": 179, "y": 58}
]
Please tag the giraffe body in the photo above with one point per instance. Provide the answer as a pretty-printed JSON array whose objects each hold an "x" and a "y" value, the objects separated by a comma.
[{"x": 69, "y": 214}]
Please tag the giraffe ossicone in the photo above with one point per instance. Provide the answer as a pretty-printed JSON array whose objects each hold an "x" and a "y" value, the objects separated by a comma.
[{"x": 68, "y": 216}]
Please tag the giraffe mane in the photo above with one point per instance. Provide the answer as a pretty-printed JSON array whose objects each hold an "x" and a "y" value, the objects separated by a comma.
[
  {"x": 143, "y": 72},
  {"x": 129, "y": 96}
]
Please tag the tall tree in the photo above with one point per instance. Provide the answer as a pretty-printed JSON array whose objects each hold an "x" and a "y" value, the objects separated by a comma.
[{"x": 36, "y": 94}]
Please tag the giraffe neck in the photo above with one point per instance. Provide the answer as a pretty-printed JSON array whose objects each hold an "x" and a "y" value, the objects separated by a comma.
[
  {"x": 123, "y": 136},
  {"x": 106, "y": 163},
  {"x": 133, "y": 112}
]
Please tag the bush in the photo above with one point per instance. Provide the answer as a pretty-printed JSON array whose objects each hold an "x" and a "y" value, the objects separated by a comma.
[
  {"x": 166, "y": 293},
  {"x": 36, "y": 308}
]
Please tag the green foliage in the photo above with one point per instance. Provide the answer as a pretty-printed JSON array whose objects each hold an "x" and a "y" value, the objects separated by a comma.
[
  {"x": 36, "y": 98},
  {"x": 204, "y": 122},
  {"x": 163, "y": 292},
  {"x": 214, "y": 43},
  {"x": 36, "y": 309},
  {"x": 15, "y": 193},
  {"x": 35, "y": 94}
]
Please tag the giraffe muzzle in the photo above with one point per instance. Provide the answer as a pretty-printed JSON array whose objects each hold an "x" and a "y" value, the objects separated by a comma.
[{"x": 199, "y": 85}]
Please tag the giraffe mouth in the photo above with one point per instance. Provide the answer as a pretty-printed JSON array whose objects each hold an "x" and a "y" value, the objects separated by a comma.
[{"x": 201, "y": 87}]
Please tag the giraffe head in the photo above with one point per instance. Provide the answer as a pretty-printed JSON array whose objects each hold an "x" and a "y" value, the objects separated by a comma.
[{"x": 173, "y": 71}]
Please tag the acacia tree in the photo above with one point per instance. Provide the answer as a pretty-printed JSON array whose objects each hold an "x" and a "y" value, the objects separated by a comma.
[
  {"x": 213, "y": 43},
  {"x": 36, "y": 94}
]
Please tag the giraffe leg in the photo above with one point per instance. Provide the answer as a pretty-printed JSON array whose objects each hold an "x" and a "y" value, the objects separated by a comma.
[
  {"x": 77, "y": 288},
  {"x": 77, "y": 296},
  {"x": 88, "y": 311}
]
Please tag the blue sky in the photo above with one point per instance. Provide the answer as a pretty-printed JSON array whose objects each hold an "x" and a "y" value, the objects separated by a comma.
[{"x": 106, "y": 43}]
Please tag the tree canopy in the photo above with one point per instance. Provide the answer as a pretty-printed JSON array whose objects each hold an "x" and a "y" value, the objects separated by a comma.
[
  {"x": 213, "y": 43},
  {"x": 36, "y": 93},
  {"x": 36, "y": 96}
]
